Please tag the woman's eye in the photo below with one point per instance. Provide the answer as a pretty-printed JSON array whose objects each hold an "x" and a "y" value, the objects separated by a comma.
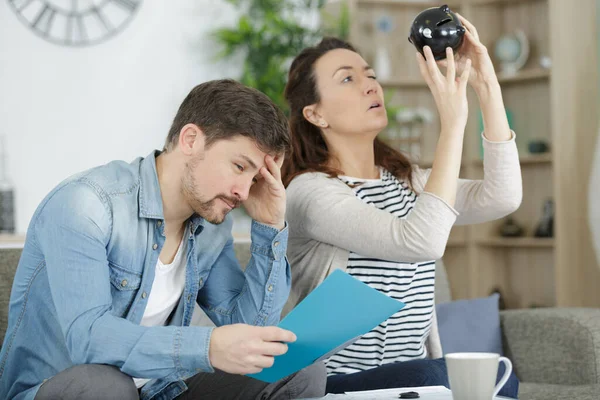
[
  {"x": 239, "y": 167},
  {"x": 373, "y": 77},
  {"x": 347, "y": 79}
]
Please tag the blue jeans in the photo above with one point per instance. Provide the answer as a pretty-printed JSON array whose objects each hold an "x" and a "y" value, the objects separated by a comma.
[{"x": 408, "y": 374}]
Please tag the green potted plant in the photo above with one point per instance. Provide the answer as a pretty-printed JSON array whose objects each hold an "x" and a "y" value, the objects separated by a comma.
[{"x": 269, "y": 34}]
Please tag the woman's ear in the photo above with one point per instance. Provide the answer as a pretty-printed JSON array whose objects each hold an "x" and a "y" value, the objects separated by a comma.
[{"x": 312, "y": 115}]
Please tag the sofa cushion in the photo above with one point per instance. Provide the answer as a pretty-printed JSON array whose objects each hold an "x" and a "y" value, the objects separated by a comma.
[
  {"x": 470, "y": 325},
  {"x": 553, "y": 345},
  {"x": 9, "y": 258},
  {"x": 543, "y": 391}
]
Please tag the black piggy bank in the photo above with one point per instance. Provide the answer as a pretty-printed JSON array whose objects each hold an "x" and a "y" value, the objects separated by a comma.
[{"x": 438, "y": 28}]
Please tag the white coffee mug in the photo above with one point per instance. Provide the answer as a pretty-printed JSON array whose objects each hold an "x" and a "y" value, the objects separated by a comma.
[{"x": 473, "y": 375}]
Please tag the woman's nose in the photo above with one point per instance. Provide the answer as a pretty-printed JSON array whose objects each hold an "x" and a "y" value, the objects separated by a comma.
[{"x": 370, "y": 86}]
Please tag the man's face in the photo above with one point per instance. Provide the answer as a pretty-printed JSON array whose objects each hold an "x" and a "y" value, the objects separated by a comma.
[{"x": 219, "y": 179}]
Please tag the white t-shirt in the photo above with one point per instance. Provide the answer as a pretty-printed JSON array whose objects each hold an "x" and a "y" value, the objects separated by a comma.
[{"x": 168, "y": 285}]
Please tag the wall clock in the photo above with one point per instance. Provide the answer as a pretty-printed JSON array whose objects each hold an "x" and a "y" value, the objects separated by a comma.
[{"x": 75, "y": 22}]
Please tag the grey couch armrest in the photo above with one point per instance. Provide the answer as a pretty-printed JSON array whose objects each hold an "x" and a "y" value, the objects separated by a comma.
[{"x": 553, "y": 345}]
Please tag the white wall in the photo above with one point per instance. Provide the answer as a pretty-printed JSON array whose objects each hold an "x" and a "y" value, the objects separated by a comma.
[
  {"x": 66, "y": 109},
  {"x": 594, "y": 187}
]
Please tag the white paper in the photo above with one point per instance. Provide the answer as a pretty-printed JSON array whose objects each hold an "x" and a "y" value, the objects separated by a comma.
[{"x": 425, "y": 392}]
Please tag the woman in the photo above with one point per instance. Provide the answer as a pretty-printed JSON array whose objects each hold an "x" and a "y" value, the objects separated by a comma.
[{"x": 357, "y": 205}]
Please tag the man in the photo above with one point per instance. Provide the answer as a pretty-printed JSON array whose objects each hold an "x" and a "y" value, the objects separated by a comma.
[{"x": 117, "y": 256}]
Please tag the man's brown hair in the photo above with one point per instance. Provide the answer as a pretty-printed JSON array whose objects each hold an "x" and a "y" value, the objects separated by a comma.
[{"x": 226, "y": 108}]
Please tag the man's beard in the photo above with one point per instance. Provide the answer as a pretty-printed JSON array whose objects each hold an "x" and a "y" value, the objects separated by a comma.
[{"x": 207, "y": 209}]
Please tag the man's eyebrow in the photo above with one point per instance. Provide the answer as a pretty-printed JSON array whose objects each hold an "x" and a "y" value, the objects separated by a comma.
[
  {"x": 248, "y": 160},
  {"x": 366, "y": 68}
]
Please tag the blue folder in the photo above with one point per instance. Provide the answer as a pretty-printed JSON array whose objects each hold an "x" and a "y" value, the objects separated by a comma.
[{"x": 331, "y": 317}]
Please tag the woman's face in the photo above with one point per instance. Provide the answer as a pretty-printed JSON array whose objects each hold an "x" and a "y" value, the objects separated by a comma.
[{"x": 351, "y": 98}]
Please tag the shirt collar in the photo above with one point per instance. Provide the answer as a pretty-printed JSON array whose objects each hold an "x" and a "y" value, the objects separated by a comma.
[{"x": 150, "y": 199}]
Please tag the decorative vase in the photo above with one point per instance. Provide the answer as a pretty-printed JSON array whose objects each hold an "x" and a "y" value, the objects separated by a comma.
[
  {"x": 383, "y": 64},
  {"x": 538, "y": 146},
  {"x": 7, "y": 195},
  {"x": 510, "y": 228},
  {"x": 545, "y": 228}
]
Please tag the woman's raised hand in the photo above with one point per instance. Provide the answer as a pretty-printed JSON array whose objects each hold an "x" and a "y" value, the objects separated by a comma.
[{"x": 450, "y": 91}]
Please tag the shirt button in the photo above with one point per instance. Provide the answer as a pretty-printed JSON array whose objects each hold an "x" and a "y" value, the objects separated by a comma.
[
  {"x": 276, "y": 244},
  {"x": 201, "y": 281},
  {"x": 124, "y": 282},
  {"x": 159, "y": 223},
  {"x": 270, "y": 288},
  {"x": 154, "y": 246},
  {"x": 189, "y": 297},
  {"x": 144, "y": 295}
]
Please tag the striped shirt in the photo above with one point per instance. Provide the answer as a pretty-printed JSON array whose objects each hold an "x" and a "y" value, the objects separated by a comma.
[{"x": 402, "y": 337}]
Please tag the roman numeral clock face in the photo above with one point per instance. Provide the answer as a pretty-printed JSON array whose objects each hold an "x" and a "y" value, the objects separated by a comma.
[{"x": 75, "y": 22}]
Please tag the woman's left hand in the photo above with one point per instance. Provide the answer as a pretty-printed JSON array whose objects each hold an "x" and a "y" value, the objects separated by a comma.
[{"x": 482, "y": 68}]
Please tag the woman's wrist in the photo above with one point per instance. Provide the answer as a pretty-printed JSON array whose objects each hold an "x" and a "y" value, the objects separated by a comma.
[
  {"x": 453, "y": 129},
  {"x": 486, "y": 87}
]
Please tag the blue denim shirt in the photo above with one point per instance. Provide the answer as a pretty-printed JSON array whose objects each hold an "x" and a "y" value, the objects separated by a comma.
[{"x": 85, "y": 277}]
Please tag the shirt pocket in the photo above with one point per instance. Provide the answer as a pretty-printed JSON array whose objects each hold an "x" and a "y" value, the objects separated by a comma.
[{"x": 124, "y": 287}]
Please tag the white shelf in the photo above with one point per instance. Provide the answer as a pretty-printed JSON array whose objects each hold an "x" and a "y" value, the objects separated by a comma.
[
  {"x": 403, "y": 82},
  {"x": 531, "y": 74},
  {"x": 530, "y": 159},
  {"x": 520, "y": 242},
  {"x": 12, "y": 241},
  {"x": 456, "y": 243},
  {"x": 499, "y": 2},
  {"x": 18, "y": 241},
  {"x": 407, "y": 3},
  {"x": 526, "y": 75}
]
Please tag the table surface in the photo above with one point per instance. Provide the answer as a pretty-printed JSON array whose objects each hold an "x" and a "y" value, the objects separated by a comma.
[{"x": 425, "y": 393}]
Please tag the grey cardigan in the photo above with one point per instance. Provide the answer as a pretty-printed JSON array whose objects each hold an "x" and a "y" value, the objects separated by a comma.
[{"x": 327, "y": 221}]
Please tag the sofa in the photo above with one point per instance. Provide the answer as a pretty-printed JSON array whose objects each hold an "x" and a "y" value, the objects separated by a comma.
[{"x": 555, "y": 352}]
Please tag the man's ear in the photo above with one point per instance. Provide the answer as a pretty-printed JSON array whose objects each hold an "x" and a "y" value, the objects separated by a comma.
[
  {"x": 191, "y": 140},
  {"x": 312, "y": 115}
]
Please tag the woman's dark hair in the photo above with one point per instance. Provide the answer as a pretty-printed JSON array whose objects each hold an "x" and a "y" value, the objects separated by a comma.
[{"x": 309, "y": 151}]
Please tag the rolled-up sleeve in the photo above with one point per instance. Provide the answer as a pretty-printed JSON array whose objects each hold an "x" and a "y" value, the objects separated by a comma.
[{"x": 257, "y": 294}]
